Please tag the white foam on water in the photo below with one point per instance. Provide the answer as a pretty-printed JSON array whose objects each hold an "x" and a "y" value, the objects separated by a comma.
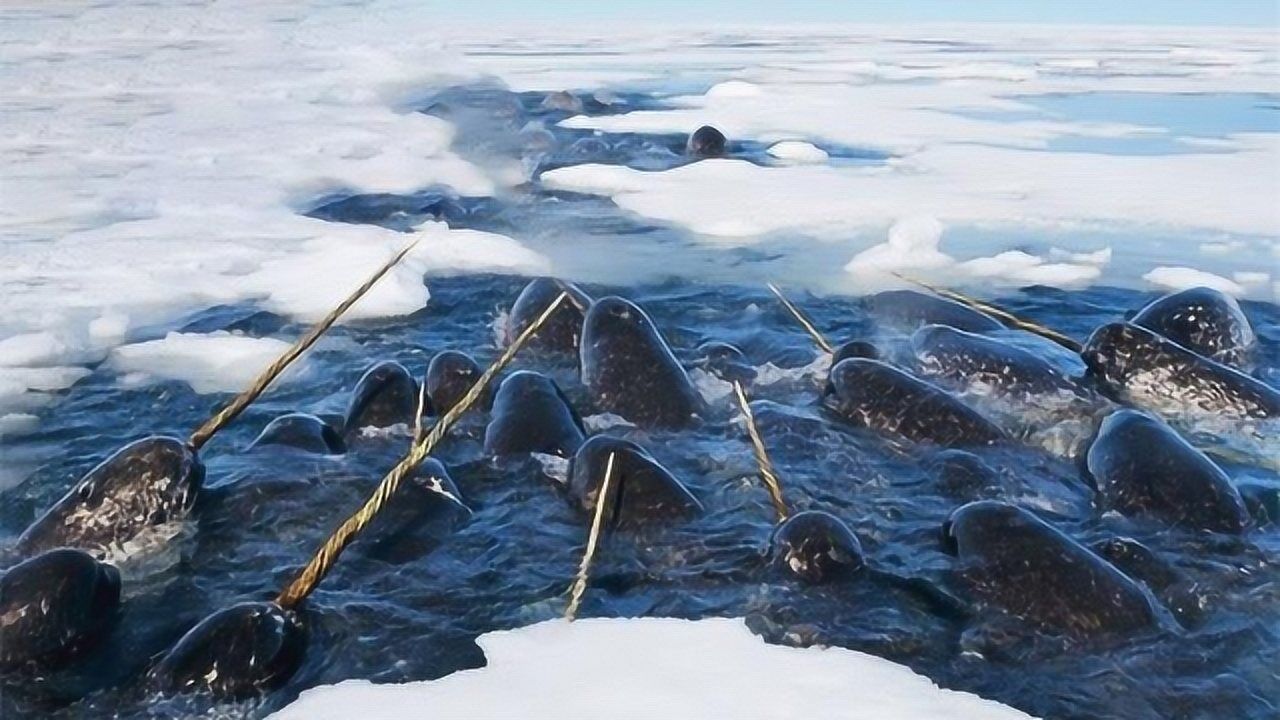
[
  {"x": 398, "y": 430},
  {"x": 209, "y": 363},
  {"x": 554, "y": 466},
  {"x": 653, "y": 668},
  {"x": 601, "y": 422},
  {"x": 713, "y": 390}
]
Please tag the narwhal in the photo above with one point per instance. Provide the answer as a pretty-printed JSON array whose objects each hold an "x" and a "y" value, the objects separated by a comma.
[
  {"x": 1139, "y": 366},
  {"x": 256, "y": 646},
  {"x": 62, "y": 598},
  {"x": 154, "y": 481},
  {"x": 872, "y": 394},
  {"x": 818, "y": 547}
]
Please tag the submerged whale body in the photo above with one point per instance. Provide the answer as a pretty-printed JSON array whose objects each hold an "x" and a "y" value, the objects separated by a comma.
[
  {"x": 450, "y": 374},
  {"x": 910, "y": 309},
  {"x": 725, "y": 361},
  {"x": 706, "y": 141},
  {"x": 1206, "y": 321},
  {"x": 879, "y": 397},
  {"x": 237, "y": 652},
  {"x": 629, "y": 369},
  {"x": 147, "y": 483},
  {"x": 1182, "y": 595},
  {"x": 1156, "y": 373},
  {"x": 817, "y": 547},
  {"x": 562, "y": 331},
  {"x": 1015, "y": 562},
  {"x": 302, "y": 431},
  {"x": 968, "y": 359},
  {"x": 531, "y": 415},
  {"x": 854, "y": 349},
  {"x": 53, "y": 607},
  {"x": 1142, "y": 467},
  {"x": 640, "y": 488},
  {"x": 961, "y": 474},
  {"x": 385, "y": 395},
  {"x": 406, "y": 529}
]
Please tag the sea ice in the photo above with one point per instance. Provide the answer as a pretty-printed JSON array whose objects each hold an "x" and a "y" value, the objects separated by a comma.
[{"x": 653, "y": 668}]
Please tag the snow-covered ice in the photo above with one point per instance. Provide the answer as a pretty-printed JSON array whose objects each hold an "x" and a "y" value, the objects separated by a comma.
[
  {"x": 797, "y": 151},
  {"x": 155, "y": 159},
  {"x": 653, "y": 668},
  {"x": 215, "y": 362},
  {"x": 1182, "y": 278}
]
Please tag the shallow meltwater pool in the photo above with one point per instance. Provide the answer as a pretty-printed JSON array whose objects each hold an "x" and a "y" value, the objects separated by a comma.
[{"x": 408, "y": 598}]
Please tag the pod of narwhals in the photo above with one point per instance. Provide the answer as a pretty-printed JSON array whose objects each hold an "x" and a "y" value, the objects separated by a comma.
[{"x": 1187, "y": 352}]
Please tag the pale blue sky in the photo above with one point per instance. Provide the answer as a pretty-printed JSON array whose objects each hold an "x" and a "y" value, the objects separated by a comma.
[{"x": 1255, "y": 13}]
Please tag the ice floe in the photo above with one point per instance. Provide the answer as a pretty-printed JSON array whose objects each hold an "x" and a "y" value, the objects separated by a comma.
[
  {"x": 215, "y": 362},
  {"x": 653, "y": 668},
  {"x": 1181, "y": 278}
]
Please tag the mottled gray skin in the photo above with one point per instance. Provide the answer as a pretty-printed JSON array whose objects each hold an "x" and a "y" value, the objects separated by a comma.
[
  {"x": 1263, "y": 501},
  {"x": 302, "y": 431},
  {"x": 531, "y": 415},
  {"x": 1185, "y": 598},
  {"x": 385, "y": 395},
  {"x": 816, "y": 547},
  {"x": 705, "y": 142},
  {"x": 1137, "y": 561},
  {"x": 562, "y": 331},
  {"x": 963, "y": 475},
  {"x": 147, "y": 483},
  {"x": 640, "y": 490},
  {"x": 1203, "y": 320},
  {"x": 964, "y": 359},
  {"x": 1155, "y": 373},
  {"x": 1015, "y": 562},
  {"x": 449, "y": 376},
  {"x": 1141, "y": 467},
  {"x": 629, "y": 369},
  {"x": 725, "y": 361},
  {"x": 879, "y": 397},
  {"x": 235, "y": 653},
  {"x": 53, "y": 607},
  {"x": 910, "y": 309}
]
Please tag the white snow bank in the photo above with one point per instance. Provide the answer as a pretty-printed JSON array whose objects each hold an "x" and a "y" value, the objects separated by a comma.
[
  {"x": 1231, "y": 192},
  {"x": 912, "y": 249},
  {"x": 653, "y": 668},
  {"x": 1182, "y": 278},
  {"x": 155, "y": 160},
  {"x": 733, "y": 88},
  {"x": 216, "y": 362},
  {"x": 797, "y": 151}
]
